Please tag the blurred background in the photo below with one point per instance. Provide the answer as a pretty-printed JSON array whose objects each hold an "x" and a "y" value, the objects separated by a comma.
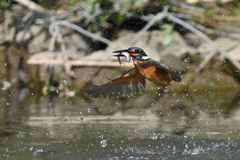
[{"x": 50, "y": 49}]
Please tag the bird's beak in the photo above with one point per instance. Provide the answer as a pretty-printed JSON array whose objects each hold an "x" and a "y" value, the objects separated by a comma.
[
  {"x": 123, "y": 53},
  {"x": 120, "y": 51}
]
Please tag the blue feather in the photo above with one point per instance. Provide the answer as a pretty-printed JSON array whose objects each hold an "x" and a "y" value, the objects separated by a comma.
[
  {"x": 162, "y": 64},
  {"x": 150, "y": 60},
  {"x": 139, "y": 58}
]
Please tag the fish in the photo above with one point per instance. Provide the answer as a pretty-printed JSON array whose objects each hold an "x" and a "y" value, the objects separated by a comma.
[
  {"x": 125, "y": 54},
  {"x": 119, "y": 60}
]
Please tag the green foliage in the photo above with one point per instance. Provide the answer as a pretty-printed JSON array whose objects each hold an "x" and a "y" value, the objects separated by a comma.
[
  {"x": 106, "y": 5},
  {"x": 69, "y": 4},
  {"x": 109, "y": 12},
  {"x": 103, "y": 17},
  {"x": 4, "y": 4},
  {"x": 107, "y": 9},
  {"x": 219, "y": 7},
  {"x": 72, "y": 4},
  {"x": 119, "y": 19},
  {"x": 210, "y": 11},
  {"x": 164, "y": 26},
  {"x": 168, "y": 39}
]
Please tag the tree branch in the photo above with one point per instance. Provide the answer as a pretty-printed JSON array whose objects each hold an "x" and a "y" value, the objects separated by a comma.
[
  {"x": 82, "y": 31},
  {"x": 31, "y": 5}
]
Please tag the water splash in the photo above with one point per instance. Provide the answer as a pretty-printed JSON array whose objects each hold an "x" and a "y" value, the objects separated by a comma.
[
  {"x": 88, "y": 110},
  {"x": 155, "y": 136},
  {"x": 31, "y": 149},
  {"x": 103, "y": 143},
  {"x": 37, "y": 151}
]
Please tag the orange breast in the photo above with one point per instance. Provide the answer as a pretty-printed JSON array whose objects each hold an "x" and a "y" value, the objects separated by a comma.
[{"x": 154, "y": 74}]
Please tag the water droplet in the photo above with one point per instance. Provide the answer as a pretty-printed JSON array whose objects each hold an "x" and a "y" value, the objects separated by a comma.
[
  {"x": 37, "y": 151},
  {"x": 155, "y": 136},
  {"x": 215, "y": 146},
  {"x": 103, "y": 143},
  {"x": 174, "y": 149},
  {"x": 65, "y": 82}
]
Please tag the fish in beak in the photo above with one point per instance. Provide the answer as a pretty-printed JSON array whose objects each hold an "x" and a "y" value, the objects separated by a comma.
[{"x": 122, "y": 53}]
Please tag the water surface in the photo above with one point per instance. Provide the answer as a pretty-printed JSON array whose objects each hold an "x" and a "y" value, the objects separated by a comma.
[{"x": 42, "y": 127}]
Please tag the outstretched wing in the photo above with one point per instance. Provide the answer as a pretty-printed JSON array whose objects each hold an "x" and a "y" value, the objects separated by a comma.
[
  {"x": 175, "y": 75},
  {"x": 128, "y": 84}
]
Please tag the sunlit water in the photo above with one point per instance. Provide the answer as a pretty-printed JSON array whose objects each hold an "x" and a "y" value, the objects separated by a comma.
[{"x": 69, "y": 128}]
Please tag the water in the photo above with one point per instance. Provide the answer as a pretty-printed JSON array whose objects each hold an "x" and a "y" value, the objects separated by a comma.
[
  {"x": 103, "y": 143},
  {"x": 42, "y": 127}
]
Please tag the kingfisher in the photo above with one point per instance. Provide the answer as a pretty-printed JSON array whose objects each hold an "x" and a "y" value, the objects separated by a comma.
[{"x": 133, "y": 81}]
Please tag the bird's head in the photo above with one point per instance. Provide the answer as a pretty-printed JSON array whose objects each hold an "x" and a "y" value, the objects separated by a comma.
[{"x": 134, "y": 52}]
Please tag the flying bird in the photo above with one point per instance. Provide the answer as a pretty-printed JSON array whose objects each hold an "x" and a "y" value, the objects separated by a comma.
[{"x": 133, "y": 81}]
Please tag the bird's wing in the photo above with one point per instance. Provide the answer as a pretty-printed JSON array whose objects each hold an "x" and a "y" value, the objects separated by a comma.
[
  {"x": 128, "y": 84},
  {"x": 175, "y": 75}
]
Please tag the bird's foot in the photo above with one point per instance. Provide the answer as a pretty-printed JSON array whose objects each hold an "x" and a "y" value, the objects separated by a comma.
[{"x": 163, "y": 86}]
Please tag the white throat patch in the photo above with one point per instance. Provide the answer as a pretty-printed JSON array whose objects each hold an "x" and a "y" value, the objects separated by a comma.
[{"x": 145, "y": 57}]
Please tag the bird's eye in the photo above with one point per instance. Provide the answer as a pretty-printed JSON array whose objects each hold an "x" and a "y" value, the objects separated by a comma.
[
  {"x": 131, "y": 51},
  {"x": 136, "y": 51}
]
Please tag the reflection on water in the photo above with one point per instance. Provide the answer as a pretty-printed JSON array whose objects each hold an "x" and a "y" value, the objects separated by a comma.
[{"x": 172, "y": 126}]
